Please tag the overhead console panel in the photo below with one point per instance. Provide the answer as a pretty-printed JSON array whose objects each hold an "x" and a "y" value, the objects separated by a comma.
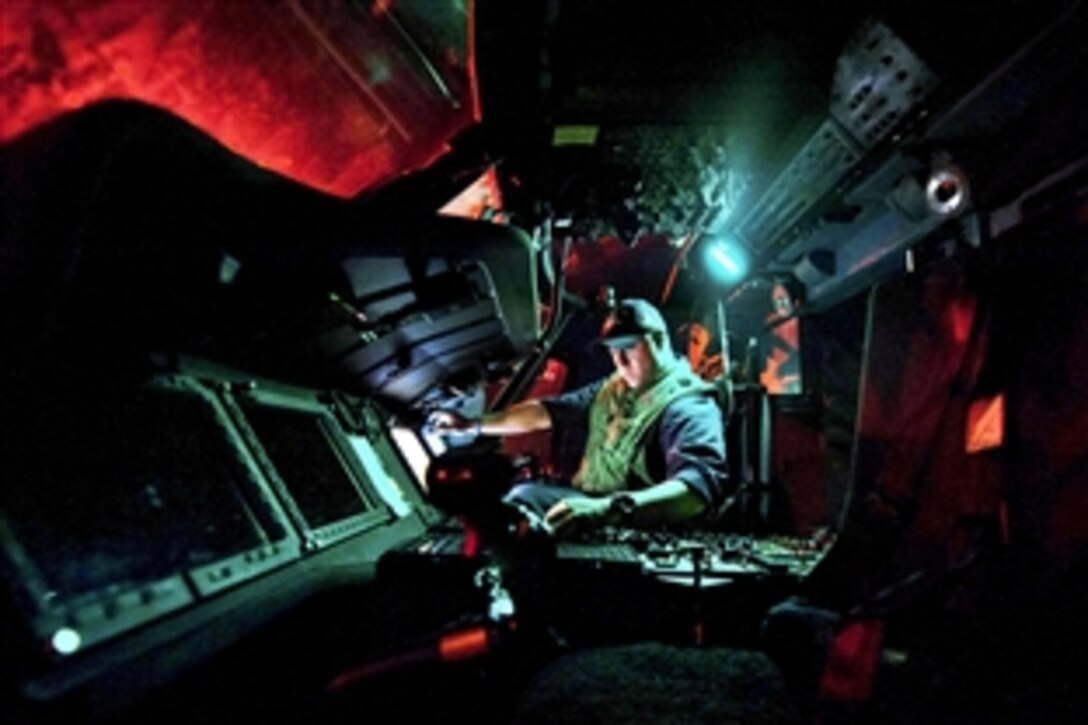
[
  {"x": 879, "y": 85},
  {"x": 918, "y": 151},
  {"x": 879, "y": 81}
]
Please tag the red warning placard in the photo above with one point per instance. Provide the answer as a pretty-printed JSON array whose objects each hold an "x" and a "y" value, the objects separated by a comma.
[{"x": 985, "y": 424}]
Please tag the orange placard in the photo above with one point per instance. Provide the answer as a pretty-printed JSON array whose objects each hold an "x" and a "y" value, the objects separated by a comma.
[{"x": 985, "y": 424}]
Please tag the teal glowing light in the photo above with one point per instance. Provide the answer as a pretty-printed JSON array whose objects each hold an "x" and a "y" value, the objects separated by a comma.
[
  {"x": 66, "y": 641},
  {"x": 726, "y": 261}
]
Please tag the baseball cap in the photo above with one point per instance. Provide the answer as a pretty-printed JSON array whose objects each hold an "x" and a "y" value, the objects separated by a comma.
[{"x": 630, "y": 321}]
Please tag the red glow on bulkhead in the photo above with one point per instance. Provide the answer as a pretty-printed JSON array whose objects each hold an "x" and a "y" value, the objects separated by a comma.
[{"x": 270, "y": 81}]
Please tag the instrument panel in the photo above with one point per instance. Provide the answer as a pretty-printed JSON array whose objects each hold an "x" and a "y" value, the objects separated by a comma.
[{"x": 701, "y": 557}]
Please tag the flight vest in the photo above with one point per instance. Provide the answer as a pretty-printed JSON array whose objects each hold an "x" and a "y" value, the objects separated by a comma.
[{"x": 619, "y": 420}]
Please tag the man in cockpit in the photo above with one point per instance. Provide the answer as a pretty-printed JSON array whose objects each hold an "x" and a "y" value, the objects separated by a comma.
[{"x": 655, "y": 448}]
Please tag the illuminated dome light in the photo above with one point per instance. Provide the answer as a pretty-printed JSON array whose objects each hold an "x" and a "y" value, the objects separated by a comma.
[
  {"x": 66, "y": 641},
  {"x": 726, "y": 261},
  {"x": 947, "y": 190}
]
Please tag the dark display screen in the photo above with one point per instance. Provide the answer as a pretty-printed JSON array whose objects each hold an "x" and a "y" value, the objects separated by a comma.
[
  {"x": 300, "y": 445},
  {"x": 133, "y": 489}
]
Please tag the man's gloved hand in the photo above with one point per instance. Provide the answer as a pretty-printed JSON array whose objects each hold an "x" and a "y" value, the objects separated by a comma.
[
  {"x": 448, "y": 421},
  {"x": 578, "y": 513}
]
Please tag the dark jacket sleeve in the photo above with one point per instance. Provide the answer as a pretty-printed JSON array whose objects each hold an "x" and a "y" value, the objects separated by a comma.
[{"x": 691, "y": 437}]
